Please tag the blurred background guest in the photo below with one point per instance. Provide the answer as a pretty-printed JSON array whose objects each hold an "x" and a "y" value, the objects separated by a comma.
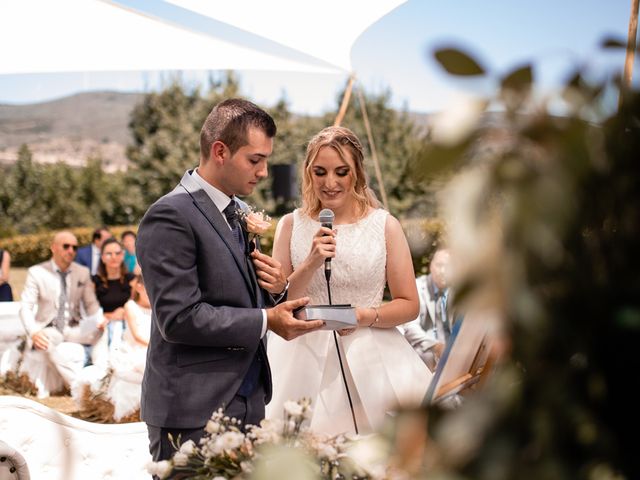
[
  {"x": 89, "y": 255},
  {"x": 55, "y": 294},
  {"x": 6, "y": 295},
  {"x": 128, "y": 239},
  {"x": 113, "y": 288},
  {"x": 428, "y": 333}
]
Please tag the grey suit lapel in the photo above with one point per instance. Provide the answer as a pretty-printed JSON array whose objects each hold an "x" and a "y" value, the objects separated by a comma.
[{"x": 213, "y": 215}]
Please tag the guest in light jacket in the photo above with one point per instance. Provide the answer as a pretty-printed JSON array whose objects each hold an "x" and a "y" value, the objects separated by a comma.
[{"x": 57, "y": 298}]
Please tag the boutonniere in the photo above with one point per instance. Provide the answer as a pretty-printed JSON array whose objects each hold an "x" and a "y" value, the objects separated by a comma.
[{"x": 255, "y": 223}]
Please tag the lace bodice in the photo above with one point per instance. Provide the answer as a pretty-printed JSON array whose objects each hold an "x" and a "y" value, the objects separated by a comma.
[{"x": 359, "y": 268}]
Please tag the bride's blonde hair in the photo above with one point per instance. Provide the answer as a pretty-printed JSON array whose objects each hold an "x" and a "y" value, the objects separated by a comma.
[{"x": 346, "y": 144}]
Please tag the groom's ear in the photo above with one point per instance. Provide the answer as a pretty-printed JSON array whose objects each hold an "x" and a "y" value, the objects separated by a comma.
[{"x": 219, "y": 152}]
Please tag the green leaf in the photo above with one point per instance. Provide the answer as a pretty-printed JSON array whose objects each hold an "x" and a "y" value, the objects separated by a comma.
[
  {"x": 519, "y": 79},
  {"x": 456, "y": 62}
]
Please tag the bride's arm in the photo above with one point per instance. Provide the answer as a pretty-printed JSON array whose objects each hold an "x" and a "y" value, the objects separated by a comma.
[
  {"x": 323, "y": 246},
  {"x": 405, "y": 304}
]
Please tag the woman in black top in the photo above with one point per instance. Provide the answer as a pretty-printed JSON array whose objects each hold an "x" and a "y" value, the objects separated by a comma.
[{"x": 113, "y": 288}]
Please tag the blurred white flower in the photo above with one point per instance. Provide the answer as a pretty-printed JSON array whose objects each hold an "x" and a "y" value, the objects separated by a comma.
[
  {"x": 180, "y": 459},
  {"x": 188, "y": 447},
  {"x": 231, "y": 440},
  {"x": 275, "y": 449},
  {"x": 161, "y": 469},
  {"x": 212, "y": 427}
]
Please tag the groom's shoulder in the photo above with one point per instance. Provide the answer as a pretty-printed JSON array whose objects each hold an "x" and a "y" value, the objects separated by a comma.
[{"x": 176, "y": 197}]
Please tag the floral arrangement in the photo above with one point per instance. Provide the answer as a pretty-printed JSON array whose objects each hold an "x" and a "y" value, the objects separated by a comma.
[{"x": 275, "y": 449}]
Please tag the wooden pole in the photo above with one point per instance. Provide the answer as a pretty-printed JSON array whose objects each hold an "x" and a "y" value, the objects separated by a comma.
[
  {"x": 631, "y": 47},
  {"x": 345, "y": 102},
  {"x": 374, "y": 155}
]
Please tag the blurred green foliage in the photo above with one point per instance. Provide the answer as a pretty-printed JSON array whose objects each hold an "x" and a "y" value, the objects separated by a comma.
[{"x": 562, "y": 195}]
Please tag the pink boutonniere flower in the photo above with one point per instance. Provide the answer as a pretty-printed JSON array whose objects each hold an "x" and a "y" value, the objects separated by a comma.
[{"x": 255, "y": 224}]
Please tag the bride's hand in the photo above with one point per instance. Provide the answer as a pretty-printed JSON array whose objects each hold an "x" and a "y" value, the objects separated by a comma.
[{"x": 323, "y": 246}]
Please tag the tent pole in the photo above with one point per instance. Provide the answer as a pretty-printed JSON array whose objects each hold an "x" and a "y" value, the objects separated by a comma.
[
  {"x": 631, "y": 46},
  {"x": 372, "y": 145},
  {"x": 345, "y": 102}
]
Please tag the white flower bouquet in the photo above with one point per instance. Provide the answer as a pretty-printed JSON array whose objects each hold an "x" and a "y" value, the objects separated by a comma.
[{"x": 283, "y": 449}]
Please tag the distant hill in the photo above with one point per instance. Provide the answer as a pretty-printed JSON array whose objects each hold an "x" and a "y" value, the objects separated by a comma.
[
  {"x": 70, "y": 129},
  {"x": 74, "y": 128}
]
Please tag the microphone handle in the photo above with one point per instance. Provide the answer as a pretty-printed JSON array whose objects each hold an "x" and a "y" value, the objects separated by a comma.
[{"x": 327, "y": 261}]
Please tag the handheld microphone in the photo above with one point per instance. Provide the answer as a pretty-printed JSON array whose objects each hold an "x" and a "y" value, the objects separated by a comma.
[{"x": 326, "y": 220}]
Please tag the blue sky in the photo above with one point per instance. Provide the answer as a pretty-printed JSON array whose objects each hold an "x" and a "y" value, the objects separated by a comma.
[{"x": 555, "y": 35}]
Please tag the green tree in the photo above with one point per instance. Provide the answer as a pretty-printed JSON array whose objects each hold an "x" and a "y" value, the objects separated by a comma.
[
  {"x": 166, "y": 132},
  {"x": 397, "y": 142},
  {"x": 26, "y": 212}
]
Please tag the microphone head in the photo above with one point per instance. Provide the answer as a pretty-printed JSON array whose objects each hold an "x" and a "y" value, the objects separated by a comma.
[{"x": 326, "y": 216}]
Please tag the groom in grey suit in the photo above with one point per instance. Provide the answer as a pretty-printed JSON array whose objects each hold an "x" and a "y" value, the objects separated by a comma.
[{"x": 211, "y": 308}]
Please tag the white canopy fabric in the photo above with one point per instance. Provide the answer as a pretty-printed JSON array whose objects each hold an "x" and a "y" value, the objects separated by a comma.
[{"x": 99, "y": 35}]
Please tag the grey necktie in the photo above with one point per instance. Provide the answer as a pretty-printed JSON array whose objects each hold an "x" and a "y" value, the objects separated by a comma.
[
  {"x": 58, "y": 322},
  {"x": 441, "y": 319}
]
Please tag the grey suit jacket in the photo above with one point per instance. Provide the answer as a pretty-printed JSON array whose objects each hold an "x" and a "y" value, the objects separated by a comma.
[
  {"x": 206, "y": 323},
  {"x": 41, "y": 294}
]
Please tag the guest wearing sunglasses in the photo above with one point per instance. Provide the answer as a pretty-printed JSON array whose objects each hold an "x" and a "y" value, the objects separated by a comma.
[
  {"x": 113, "y": 288},
  {"x": 55, "y": 295}
]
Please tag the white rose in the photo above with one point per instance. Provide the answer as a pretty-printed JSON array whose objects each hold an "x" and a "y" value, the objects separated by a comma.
[
  {"x": 231, "y": 440},
  {"x": 162, "y": 469},
  {"x": 212, "y": 427},
  {"x": 188, "y": 447},
  {"x": 180, "y": 459}
]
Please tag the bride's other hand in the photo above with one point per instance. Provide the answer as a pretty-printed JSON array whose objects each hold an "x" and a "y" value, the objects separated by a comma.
[{"x": 323, "y": 246}]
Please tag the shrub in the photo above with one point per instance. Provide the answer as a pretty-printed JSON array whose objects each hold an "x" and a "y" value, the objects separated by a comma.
[{"x": 28, "y": 250}]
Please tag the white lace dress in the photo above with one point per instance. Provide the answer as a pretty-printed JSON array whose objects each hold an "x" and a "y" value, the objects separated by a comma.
[{"x": 383, "y": 371}]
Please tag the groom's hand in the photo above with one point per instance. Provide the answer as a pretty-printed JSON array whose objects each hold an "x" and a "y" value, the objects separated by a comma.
[
  {"x": 281, "y": 321},
  {"x": 271, "y": 277}
]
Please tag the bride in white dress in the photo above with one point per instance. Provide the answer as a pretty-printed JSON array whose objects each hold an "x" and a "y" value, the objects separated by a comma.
[{"x": 368, "y": 251}]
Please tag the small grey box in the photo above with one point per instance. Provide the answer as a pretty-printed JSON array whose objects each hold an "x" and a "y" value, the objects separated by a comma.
[{"x": 335, "y": 317}]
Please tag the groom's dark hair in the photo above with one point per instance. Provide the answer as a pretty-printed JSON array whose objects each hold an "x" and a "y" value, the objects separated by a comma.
[{"x": 229, "y": 122}]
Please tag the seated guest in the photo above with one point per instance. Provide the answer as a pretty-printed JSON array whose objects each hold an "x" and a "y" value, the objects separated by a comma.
[
  {"x": 120, "y": 381},
  {"x": 128, "y": 240},
  {"x": 55, "y": 294},
  {"x": 137, "y": 314},
  {"x": 428, "y": 333},
  {"x": 89, "y": 255},
  {"x": 113, "y": 288},
  {"x": 6, "y": 295}
]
